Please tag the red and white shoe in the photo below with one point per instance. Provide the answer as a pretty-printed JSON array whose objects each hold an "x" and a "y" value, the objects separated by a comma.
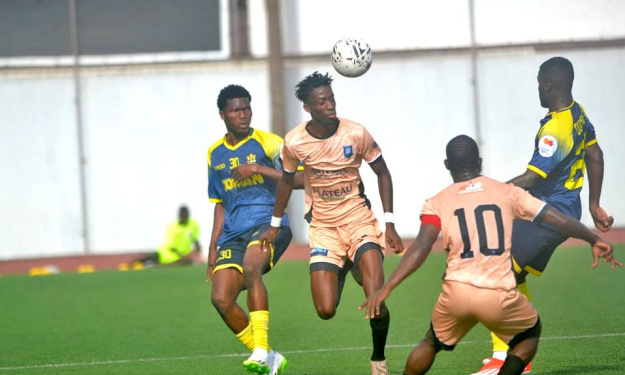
[{"x": 493, "y": 365}]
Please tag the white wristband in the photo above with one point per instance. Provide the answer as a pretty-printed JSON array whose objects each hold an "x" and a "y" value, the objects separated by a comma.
[
  {"x": 276, "y": 222},
  {"x": 388, "y": 217}
]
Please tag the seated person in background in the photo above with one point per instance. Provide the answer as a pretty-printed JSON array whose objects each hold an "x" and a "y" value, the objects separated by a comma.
[{"x": 181, "y": 245}]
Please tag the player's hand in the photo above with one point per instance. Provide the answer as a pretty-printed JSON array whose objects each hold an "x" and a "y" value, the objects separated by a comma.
[
  {"x": 268, "y": 238},
  {"x": 244, "y": 171},
  {"x": 602, "y": 220},
  {"x": 392, "y": 239},
  {"x": 373, "y": 303},
  {"x": 209, "y": 272},
  {"x": 606, "y": 251}
]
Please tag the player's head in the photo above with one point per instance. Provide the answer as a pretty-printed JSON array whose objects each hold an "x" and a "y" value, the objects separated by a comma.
[
  {"x": 183, "y": 215},
  {"x": 463, "y": 157},
  {"x": 315, "y": 91},
  {"x": 235, "y": 109},
  {"x": 555, "y": 78}
]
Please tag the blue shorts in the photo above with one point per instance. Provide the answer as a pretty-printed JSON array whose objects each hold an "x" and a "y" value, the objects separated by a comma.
[
  {"x": 231, "y": 253},
  {"x": 532, "y": 246}
]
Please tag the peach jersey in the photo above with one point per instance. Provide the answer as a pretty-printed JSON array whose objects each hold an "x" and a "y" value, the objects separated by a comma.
[
  {"x": 333, "y": 186},
  {"x": 476, "y": 219}
]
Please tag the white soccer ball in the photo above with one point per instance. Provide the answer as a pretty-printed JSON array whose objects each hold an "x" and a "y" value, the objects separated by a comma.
[{"x": 351, "y": 57}]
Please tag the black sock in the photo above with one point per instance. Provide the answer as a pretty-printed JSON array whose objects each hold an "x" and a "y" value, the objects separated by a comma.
[
  {"x": 379, "y": 331},
  {"x": 512, "y": 366}
]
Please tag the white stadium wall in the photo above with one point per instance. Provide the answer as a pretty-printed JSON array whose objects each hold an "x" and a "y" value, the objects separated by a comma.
[{"x": 146, "y": 130}]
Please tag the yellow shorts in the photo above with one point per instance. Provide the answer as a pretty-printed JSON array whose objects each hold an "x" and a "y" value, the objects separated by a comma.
[{"x": 335, "y": 245}]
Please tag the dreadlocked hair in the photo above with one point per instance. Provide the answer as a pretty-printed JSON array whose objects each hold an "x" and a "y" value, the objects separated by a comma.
[{"x": 311, "y": 82}]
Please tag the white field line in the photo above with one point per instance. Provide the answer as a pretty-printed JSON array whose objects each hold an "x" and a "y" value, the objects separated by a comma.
[{"x": 321, "y": 350}]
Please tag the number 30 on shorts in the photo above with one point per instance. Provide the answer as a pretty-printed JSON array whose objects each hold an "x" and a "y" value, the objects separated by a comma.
[{"x": 224, "y": 254}]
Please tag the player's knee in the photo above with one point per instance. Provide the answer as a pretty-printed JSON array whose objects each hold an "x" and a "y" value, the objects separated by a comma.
[
  {"x": 251, "y": 276},
  {"x": 221, "y": 301},
  {"x": 326, "y": 312}
]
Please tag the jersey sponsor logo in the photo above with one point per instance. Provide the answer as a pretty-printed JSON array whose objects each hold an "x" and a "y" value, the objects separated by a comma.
[
  {"x": 547, "y": 146},
  {"x": 231, "y": 183},
  {"x": 472, "y": 188},
  {"x": 337, "y": 194},
  {"x": 348, "y": 151},
  {"x": 318, "y": 251},
  {"x": 328, "y": 173},
  {"x": 220, "y": 166},
  {"x": 579, "y": 124}
]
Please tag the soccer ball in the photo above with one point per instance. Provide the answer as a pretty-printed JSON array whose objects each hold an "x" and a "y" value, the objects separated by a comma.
[{"x": 351, "y": 57}]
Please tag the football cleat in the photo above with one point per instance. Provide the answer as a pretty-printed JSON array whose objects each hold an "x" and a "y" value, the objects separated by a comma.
[
  {"x": 379, "y": 368},
  {"x": 527, "y": 368},
  {"x": 258, "y": 362},
  {"x": 278, "y": 363},
  {"x": 493, "y": 365}
]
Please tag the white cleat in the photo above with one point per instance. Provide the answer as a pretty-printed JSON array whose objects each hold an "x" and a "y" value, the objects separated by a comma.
[
  {"x": 278, "y": 363},
  {"x": 258, "y": 362}
]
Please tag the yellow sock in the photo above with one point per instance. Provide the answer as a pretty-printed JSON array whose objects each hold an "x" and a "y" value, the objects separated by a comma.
[
  {"x": 498, "y": 344},
  {"x": 525, "y": 290},
  {"x": 260, "y": 328},
  {"x": 246, "y": 337}
]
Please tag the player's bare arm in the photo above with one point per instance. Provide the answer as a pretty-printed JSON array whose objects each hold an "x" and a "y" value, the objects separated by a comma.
[
  {"x": 573, "y": 228},
  {"x": 414, "y": 257},
  {"x": 385, "y": 186},
  {"x": 218, "y": 223},
  {"x": 247, "y": 170},
  {"x": 283, "y": 193},
  {"x": 527, "y": 180},
  {"x": 594, "y": 167}
]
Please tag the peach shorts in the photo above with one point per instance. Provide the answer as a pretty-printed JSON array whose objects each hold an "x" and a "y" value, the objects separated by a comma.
[
  {"x": 461, "y": 306},
  {"x": 335, "y": 245}
]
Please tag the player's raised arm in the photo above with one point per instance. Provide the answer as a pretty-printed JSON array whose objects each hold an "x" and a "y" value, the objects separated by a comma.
[
  {"x": 594, "y": 167},
  {"x": 385, "y": 186},
  {"x": 573, "y": 228},
  {"x": 414, "y": 257}
]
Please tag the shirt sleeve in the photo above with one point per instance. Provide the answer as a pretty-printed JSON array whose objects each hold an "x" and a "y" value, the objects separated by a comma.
[
  {"x": 289, "y": 160},
  {"x": 553, "y": 145},
  {"x": 370, "y": 150},
  {"x": 214, "y": 194},
  {"x": 591, "y": 136},
  {"x": 430, "y": 213},
  {"x": 526, "y": 206}
]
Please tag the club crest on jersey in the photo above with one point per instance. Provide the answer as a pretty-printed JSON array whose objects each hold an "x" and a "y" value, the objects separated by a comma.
[
  {"x": 316, "y": 251},
  {"x": 472, "y": 187},
  {"x": 547, "y": 146},
  {"x": 348, "y": 151}
]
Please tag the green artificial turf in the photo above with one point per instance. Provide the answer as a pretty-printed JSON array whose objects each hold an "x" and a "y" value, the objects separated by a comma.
[{"x": 161, "y": 321}]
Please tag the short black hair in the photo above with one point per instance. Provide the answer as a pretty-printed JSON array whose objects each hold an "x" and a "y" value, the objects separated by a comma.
[
  {"x": 183, "y": 210},
  {"x": 311, "y": 82},
  {"x": 462, "y": 154},
  {"x": 560, "y": 71},
  {"x": 231, "y": 92}
]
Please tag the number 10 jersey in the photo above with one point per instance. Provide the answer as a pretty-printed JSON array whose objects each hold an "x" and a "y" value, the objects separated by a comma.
[{"x": 476, "y": 219}]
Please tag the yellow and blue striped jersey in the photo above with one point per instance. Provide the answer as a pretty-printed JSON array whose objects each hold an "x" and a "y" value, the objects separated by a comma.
[
  {"x": 247, "y": 203},
  {"x": 559, "y": 151}
]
